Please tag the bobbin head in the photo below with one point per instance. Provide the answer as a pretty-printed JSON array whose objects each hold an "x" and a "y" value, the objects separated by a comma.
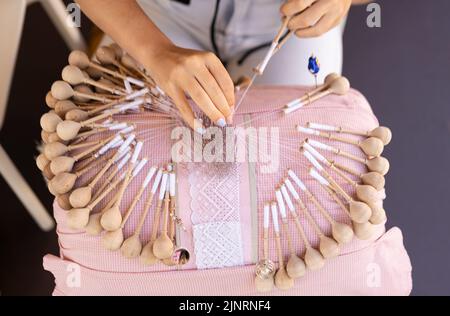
[
  {"x": 330, "y": 78},
  {"x": 131, "y": 247},
  {"x": 78, "y": 218},
  {"x": 374, "y": 179},
  {"x": 63, "y": 182},
  {"x": 93, "y": 227},
  {"x": 366, "y": 193},
  {"x": 61, "y": 90},
  {"x": 163, "y": 247},
  {"x": 55, "y": 149},
  {"x": 340, "y": 86},
  {"x": 81, "y": 197},
  {"x": 295, "y": 267},
  {"x": 342, "y": 233},
  {"x": 68, "y": 130},
  {"x": 360, "y": 212},
  {"x": 383, "y": 133},
  {"x": 147, "y": 257},
  {"x": 282, "y": 280},
  {"x": 63, "y": 201},
  {"x": 62, "y": 164},
  {"x": 372, "y": 146},
  {"x": 106, "y": 55},
  {"x": 50, "y": 100},
  {"x": 314, "y": 259},
  {"x": 73, "y": 75},
  {"x": 64, "y": 106},
  {"x": 79, "y": 59},
  {"x": 364, "y": 231},
  {"x": 113, "y": 240},
  {"x": 111, "y": 219},
  {"x": 76, "y": 115},
  {"x": 378, "y": 164},
  {"x": 328, "y": 247},
  {"x": 49, "y": 121}
]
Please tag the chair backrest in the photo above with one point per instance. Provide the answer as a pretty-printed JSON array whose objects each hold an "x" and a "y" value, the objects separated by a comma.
[{"x": 12, "y": 16}]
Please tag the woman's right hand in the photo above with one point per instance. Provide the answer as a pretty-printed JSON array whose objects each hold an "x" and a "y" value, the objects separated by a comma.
[{"x": 201, "y": 75}]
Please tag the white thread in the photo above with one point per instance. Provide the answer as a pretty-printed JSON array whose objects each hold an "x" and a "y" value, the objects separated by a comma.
[
  {"x": 306, "y": 130},
  {"x": 293, "y": 102},
  {"x": 137, "y": 94},
  {"x": 157, "y": 180},
  {"x": 276, "y": 226},
  {"x": 127, "y": 130},
  {"x": 266, "y": 215},
  {"x": 139, "y": 167},
  {"x": 137, "y": 151},
  {"x": 127, "y": 142},
  {"x": 124, "y": 161},
  {"x": 149, "y": 177},
  {"x": 136, "y": 82},
  {"x": 320, "y": 145},
  {"x": 297, "y": 180},
  {"x": 110, "y": 144},
  {"x": 281, "y": 205},
  {"x": 287, "y": 198},
  {"x": 293, "y": 108},
  {"x": 266, "y": 59},
  {"x": 315, "y": 174},
  {"x": 312, "y": 160},
  {"x": 127, "y": 85},
  {"x": 121, "y": 154},
  {"x": 162, "y": 188},
  {"x": 292, "y": 189},
  {"x": 322, "y": 127},
  {"x": 315, "y": 153},
  {"x": 116, "y": 127},
  {"x": 118, "y": 144}
]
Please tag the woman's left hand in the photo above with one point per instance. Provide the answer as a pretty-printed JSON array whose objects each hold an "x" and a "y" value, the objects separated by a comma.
[{"x": 312, "y": 18}]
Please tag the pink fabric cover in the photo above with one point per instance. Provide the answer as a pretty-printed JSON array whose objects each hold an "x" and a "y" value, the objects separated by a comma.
[{"x": 383, "y": 257}]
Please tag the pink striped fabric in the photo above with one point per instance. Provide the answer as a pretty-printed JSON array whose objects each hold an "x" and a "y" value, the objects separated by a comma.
[{"x": 379, "y": 266}]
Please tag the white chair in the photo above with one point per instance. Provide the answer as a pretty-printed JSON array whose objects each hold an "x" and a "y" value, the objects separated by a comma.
[{"x": 12, "y": 17}]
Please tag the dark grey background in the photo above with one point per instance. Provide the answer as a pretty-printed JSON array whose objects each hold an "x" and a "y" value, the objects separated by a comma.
[{"x": 402, "y": 68}]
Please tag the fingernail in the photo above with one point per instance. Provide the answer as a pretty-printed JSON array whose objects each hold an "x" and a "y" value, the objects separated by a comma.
[
  {"x": 221, "y": 122},
  {"x": 230, "y": 119}
]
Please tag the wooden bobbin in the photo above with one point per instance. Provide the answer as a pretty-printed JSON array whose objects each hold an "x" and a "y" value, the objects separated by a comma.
[
  {"x": 132, "y": 246},
  {"x": 340, "y": 86},
  {"x": 381, "y": 132},
  {"x": 81, "y": 196},
  {"x": 371, "y": 146},
  {"x": 265, "y": 268},
  {"x": 147, "y": 256},
  {"x": 295, "y": 266},
  {"x": 327, "y": 246},
  {"x": 313, "y": 258},
  {"x": 282, "y": 280},
  {"x": 74, "y": 76},
  {"x": 375, "y": 164}
]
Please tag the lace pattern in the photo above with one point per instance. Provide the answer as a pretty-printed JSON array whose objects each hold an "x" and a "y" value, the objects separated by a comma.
[{"x": 215, "y": 214}]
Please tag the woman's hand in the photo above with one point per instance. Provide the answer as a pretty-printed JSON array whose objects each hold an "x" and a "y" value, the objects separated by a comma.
[
  {"x": 312, "y": 18},
  {"x": 201, "y": 75}
]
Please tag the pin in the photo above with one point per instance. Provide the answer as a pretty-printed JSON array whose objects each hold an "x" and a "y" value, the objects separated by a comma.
[{"x": 314, "y": 66}]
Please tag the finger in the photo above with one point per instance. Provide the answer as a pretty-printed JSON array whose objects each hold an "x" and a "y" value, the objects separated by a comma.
[
  {"x": 326, "y": 23},
  {"x": 201, "y": 98},
  {"x": 186, "y": 112},
  {"x": 309, "y": 17},
  {"x": 210, "y": 85},
  {"x": 222, "y": 77},
  {"x": 293, "y": 7}
]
